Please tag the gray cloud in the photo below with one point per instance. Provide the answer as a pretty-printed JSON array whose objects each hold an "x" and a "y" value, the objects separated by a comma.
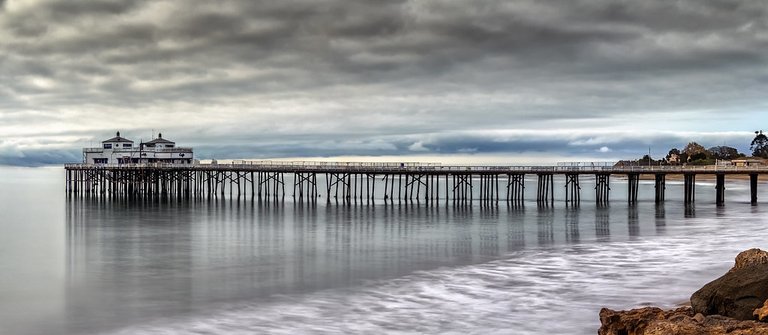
[{"x": 372, "y": 77}]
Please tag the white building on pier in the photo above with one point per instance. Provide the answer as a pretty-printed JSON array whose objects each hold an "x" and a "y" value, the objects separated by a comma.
[{"x": 120, "y": 150}]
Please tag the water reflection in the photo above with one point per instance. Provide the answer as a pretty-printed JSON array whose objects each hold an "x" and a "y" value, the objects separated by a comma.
[{"x": 127, "y": 262}]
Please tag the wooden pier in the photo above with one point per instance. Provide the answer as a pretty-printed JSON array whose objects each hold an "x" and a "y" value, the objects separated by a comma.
[{"x": 353, "y": 183}]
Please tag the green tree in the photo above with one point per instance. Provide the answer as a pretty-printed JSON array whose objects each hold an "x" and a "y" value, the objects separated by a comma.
[
  {"x": 759, "y": 145},
  {"x": 697, "y": 154},
  {"x": 724, "y": 152},
  {"x": 694, "y": 148}
]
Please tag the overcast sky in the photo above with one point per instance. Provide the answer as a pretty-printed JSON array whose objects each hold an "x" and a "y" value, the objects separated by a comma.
[{"x": 452, "y": 80}]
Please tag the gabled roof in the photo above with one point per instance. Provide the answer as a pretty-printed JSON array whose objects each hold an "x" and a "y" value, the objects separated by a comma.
[
  {"x": 160, "y": 140},
  {"x": 117, "y": 138}
]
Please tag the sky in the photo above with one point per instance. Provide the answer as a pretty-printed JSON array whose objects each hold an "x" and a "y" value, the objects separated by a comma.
[{"x": 471, "y": 81}]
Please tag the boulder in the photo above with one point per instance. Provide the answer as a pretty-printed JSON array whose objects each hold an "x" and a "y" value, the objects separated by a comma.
[
  {"x": 681, "y": 321},
  {"x": 750, "y": 257},
  {"x": 739, "y": 292}
]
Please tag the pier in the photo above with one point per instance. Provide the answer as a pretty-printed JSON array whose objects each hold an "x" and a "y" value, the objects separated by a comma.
[{"x": 356, "y": 183}]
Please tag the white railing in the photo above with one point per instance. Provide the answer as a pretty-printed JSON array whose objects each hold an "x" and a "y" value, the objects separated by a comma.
[
  {"x": 327, "y": 164},
  {"x": 137, "y": 150},
  {"x": 177, "y": 149},
  {"x": 586, "y": 164}
]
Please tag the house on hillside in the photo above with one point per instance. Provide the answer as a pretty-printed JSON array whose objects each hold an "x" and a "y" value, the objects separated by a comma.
[
  {"x": 120, "y": 150},
  {"x": 674, "y": 159}
]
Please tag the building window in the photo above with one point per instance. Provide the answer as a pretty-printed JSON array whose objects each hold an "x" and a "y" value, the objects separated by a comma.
[
  {"x": 169, "y": 145},
  {"x": 127, "y": 145},
  {"x": 108, "y": 146},
  {"x": 100, "y": 161}
]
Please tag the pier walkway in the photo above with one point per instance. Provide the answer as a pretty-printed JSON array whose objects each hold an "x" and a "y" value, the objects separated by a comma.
[{"x": 349, "y": 182}]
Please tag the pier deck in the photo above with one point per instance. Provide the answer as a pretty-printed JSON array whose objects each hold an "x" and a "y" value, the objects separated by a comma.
[{"x": 349, "y": 182}]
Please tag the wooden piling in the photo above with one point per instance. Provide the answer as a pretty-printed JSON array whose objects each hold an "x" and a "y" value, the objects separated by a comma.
[
  {"x": 720, "y": 189},
  {"x": 689, "y": 188},
  {"x": 660, "y": 187},
  {"x": 633, "y": 186},
  {"x": 546, "y": 189},
  {"x": 602, "y": 188},
  {"x": 753, "y": 188},
  {"x": 572, "y": 189}
]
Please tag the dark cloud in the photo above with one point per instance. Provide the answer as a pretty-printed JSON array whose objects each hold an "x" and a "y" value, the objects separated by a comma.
[{"x": 356, "y": 74}]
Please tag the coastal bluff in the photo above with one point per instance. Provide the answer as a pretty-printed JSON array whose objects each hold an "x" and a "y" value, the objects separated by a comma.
[{"x": 736, "y": 303}]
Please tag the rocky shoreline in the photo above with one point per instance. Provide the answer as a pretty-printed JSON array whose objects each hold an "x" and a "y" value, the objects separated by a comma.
[{"x": 736, "y": 303}]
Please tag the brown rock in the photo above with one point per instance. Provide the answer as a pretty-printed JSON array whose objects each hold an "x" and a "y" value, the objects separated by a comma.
[
  {"x": 739, "y": 292},
  {"x": 681, "y": 321},
  {"x": 634, "y": 322},
  {"x": 750, "y": 257},
  {"x": 761, "y": 314}
]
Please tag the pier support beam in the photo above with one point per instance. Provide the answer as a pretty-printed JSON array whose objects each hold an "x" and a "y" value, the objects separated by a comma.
[
  {"x": 572, "y": 189},
  {"x": 602, "y": 188},
  {"x": 720, "y": 189},
  {"x": 633, "y": 180},
  {"x": 516, "y": 188},
  {"x": 753, "y": 188},
  {"x": 462, "y": 189},
  {"x": 660, "y": 187},
  {"x": 689, "y": 186}
]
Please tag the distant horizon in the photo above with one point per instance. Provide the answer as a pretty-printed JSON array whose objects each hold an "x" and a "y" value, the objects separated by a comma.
[{"x": 467, "y": 159}]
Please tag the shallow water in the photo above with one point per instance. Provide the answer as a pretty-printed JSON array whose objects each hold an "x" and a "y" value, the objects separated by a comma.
[{"x": 90, "y": 266}]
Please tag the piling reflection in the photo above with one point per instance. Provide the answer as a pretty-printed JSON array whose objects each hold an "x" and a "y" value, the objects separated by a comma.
[
  {"x": 515, "y": 228},
  {"x": 690, "y": 210},
  {"x": 545, "y": 225},
  {"x": 603, "y": 223},
  {"x": 661, "y": 219},
  {"x": 572, "y": 234},
  {"x": 633, "y": 222},
  {"x": 488, "y": 232}
]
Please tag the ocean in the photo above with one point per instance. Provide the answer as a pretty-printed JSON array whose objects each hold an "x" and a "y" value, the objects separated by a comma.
[{"x": 228, "y": 266}]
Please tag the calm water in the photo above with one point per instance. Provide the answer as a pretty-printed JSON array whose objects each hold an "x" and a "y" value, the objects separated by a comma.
[{"x": 79, "y": 266}]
